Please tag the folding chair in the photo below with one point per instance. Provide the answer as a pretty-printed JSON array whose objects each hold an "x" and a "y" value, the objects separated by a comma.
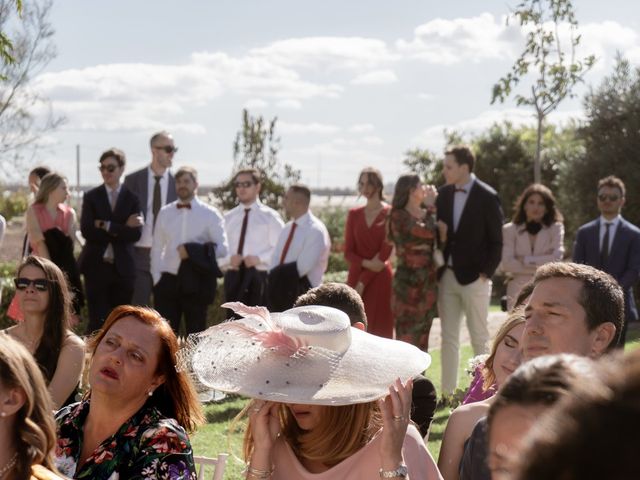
[{"x": 219, "y": 463}]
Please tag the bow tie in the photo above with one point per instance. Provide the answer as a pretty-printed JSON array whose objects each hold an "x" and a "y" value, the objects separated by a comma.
[
  {"x": 184, "y": 205},
  {"x": 463, "y": 190}
]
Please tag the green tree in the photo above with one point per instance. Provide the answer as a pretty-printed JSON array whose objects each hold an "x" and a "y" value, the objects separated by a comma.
[
  {"x": 6, "y": 46},
  {"x": 256, "y": 146},
  {"x": 549, "y": 57},
  {"x": 611, "y": 139}
]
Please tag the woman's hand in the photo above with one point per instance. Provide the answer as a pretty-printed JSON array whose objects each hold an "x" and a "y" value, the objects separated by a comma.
[
  {"x": 396, "y": 411},
  {"x": 265, "y": 429},
  {"x": 432, "y": 194},
  {"x": 442, "y": 231},
  {"x": 374, "y": 264}
]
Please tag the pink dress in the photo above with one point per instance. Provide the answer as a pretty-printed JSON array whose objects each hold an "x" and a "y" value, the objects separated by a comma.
[
  {"x": 362, "y": 465},
  {"x": 64, "y": 214},
  {"x": 365, "y": 242}
]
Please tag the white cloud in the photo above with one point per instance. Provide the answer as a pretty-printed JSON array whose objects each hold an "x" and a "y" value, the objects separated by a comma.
[
  {"x": 256, "y": 104},
  {"x": 289, "y": 104},
  {"x": 306, "y": 128},
  {"x": 427, "y": 97},
  {"x": 377, "y": 77},
  {"x": 372, "y": 140},
  {"x": 361, "y": 128}
]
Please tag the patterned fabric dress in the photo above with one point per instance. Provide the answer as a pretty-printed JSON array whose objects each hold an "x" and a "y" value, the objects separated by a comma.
[
  {"x": 147, "y": 446},
  {"x": 415, "y": 280}
]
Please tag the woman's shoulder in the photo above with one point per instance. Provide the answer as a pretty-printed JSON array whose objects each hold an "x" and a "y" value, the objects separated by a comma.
[
  {"x": 38, "y": 472},
  {"x": 72, "y": 339},
  {"x": 466, "y": 416}
]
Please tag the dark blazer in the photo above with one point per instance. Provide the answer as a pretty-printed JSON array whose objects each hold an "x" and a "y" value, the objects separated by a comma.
[
  {"x": 477, "y": 244},
  {"x": 138, "y": 183},
  {"x": 284, "y": 286},
  {"x": 197, "y": 274},
  {"x": 623, "y": 263},
  {"x": 95, "y": 206}
]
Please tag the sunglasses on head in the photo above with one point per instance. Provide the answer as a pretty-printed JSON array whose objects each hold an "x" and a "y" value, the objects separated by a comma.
[
  {"x": 242, "y": 184},
  {"x": 603, "y": 197},
  {"x": 23, "y": 283},
  {"x": 108, "y": 168},
  {"x": 167, "y": 149}
]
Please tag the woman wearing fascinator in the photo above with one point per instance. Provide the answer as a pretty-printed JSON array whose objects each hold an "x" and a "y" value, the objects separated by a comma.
[
  {"x": 532, "y": 238},
  {"x": 328, "y": 401}
]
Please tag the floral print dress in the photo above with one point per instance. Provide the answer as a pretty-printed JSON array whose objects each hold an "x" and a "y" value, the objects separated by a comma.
[
  {"x": 147, "y": 446},
  {"x": 415, "y": 279}
]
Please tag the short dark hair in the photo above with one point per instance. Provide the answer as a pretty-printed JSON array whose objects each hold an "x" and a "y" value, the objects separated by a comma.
[
  {"x": 303, "y": 190},
  {"x": 40, "y": 172},
  {"x": 613, "y": 182},
  {"x": 552, "y": 214},
  {"x": 185, "y": 170},
  {"x": 336, "y": 295},
  {"x": 601, "y": 296},
  {"x": 114, "y": 153},
  {"x": 254, "y": 172},
  {"x": 573, "y": 441},
  {"x": 463, "y": 155}
]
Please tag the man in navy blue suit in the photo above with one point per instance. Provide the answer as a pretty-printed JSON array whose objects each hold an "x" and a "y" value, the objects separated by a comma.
[{"x": 612, "y": 244}]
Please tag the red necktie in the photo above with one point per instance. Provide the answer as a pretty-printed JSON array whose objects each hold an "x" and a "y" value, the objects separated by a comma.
[
  {"x": 243, "y": 230},
  {"x": 288, "y": 243}
]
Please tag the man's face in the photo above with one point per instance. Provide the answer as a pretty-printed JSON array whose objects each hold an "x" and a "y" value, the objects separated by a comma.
[
  {"x": 288, "y": 202},
  {"x": 555, "y": 320},
  {"x": 452, "y": 171},
  {"x": 111, "y": 171},
  {"x": 246, "y": 189},
  {"x": 610, "y": 201},
  {"x": 186, "y": 187},
  {"x": 163, "y": 151}
]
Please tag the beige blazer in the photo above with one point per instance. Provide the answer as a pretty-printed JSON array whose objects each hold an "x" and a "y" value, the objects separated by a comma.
[{"x": 520, "y": 259}]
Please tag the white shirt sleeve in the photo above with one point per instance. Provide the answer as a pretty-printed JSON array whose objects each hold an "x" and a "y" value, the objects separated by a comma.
[{"x": 218, "y": 235}]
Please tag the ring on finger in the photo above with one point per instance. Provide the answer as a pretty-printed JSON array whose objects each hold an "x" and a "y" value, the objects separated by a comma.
[{"x": 398, "y": 418}]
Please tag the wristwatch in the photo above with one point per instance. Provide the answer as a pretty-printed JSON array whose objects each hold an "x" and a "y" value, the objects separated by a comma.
[{"x": 400, "y": 472}]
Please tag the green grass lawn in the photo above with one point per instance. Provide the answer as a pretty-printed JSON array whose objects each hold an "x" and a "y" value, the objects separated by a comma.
[{"x": 214, "y": 437}]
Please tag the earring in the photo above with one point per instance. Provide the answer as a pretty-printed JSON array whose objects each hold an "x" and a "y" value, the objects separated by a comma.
[
  {"x": 150, "y": 393},
  {"x": 3, "y": 414}
]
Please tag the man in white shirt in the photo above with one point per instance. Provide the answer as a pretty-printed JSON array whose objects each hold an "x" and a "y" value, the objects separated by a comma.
[
  {"x": 301, "y": 254},
  {"x": 612, "y": 244},
  {"x": 154, "y": 186},
  {"x": 253, "y": 230},
  {"x": 188, "y": 239}
]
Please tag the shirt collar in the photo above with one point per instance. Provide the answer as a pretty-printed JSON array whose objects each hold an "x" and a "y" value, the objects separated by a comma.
[
  {"x": 152, "y": 174},
  {"x": 614, "y": 221},
  {"x": 117, "y": 189}
]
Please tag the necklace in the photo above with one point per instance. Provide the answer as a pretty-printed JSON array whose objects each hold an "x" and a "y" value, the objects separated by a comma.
[{"x": 4, "y": 470}]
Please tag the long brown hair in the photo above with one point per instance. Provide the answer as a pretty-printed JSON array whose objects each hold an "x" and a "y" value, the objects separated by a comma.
[
  {"x": 404, "y": 186},
  {"x": 48, "y": 184},
  {"x": 374, "y": 177},
  {"x": 34, "y": 432},
  {"x": 56, "y": 322},
  {"x": 552, "y": 214},
  {"x": 176, "y": 397},
  {"x": 342, "y": 431}
]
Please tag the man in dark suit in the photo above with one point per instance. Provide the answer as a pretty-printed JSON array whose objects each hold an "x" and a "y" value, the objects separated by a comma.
[
  {"x": 473, "y": 217},
  {"x": 111, "y": 224},
  {"x": 155, "y": 187},
  {"x": 612, "y": 244}
]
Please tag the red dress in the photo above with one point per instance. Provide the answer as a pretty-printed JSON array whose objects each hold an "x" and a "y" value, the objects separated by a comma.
[{"x": 364, "y": 242}]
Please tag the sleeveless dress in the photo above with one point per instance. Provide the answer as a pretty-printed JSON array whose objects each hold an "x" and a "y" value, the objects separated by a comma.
[
  {"x": 365, "y": 242},
  {"x": 415, "y": 280}
]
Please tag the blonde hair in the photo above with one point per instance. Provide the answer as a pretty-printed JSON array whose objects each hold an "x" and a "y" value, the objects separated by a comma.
[
  {"x": 34, "y": 433},
  {"x": 343, "y": 431},
  {"x": 515, "y": 318},
  {"x": 48, "y": 184}
]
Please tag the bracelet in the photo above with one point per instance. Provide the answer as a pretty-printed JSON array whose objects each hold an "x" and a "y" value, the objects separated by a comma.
[{"x": 260, "y": 474}]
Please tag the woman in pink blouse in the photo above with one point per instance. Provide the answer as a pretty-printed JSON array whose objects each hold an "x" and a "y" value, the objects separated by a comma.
[{"x": 532, "y": 238}]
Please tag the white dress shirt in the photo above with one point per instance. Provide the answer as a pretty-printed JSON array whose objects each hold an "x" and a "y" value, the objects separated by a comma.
[
  {"x": 146, "y": 239},
  {"x": 612, "y": 230},
  {"x": 309, "y": 248},
  {"x": 263, "y": 229},
  {"x": 175, "y": 226}
]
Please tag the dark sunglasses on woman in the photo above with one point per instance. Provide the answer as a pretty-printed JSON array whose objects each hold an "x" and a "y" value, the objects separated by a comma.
[{"x": 39, "y": 284}]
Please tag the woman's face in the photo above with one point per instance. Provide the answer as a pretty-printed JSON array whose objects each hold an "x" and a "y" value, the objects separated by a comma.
[
  {"x": 418, "y": 193},
  {"x": 534, "y": 208},
  {"x": 125, "y": 361},
  {"x": 366, "y": 188},
  {"x": 307, "y": 416},
  {"x": 508, "y": 428},
  {"x": 31, "y": 299},
  {"x": 508, "y": 354},
  {"x": 60, "y": 193}
]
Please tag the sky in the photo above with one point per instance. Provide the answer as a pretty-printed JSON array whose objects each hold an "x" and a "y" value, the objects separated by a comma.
[{"x": 352, "y": 83}]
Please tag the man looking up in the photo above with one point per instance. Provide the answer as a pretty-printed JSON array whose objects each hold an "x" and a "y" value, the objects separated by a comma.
[
  {"x": 154, "y": 186},
  {"x": 253, "y": 230},
  {"x": 612, "y": 244}
]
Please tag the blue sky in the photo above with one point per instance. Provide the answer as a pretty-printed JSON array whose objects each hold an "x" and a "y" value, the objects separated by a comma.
[{"x": 352, "y": 83}]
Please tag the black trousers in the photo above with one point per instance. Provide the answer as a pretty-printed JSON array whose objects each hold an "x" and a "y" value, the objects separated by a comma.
[
  {"x": 106, "y": 289},
  {"x": 172, "y": 305},
  {"x": 246, "y": 285}
]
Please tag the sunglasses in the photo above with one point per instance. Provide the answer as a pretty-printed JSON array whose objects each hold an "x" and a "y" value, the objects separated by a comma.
[
  {"x": 108, "y": 168},
  {"x": 603, "y": 197},
  {"x": 243, "y": 184},
  {"x": 39, "y": 284},
  {"x": 167, "y": 149}
]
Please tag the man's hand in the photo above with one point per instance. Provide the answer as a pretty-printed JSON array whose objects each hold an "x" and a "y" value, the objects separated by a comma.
[
  {"x": 251, "y": 261},
  {"x": 182, "y": 252},
  {"x": 235, "y": 261},
  {"x": 100, "y": 224},
  {"x": 134, "y": 220}
]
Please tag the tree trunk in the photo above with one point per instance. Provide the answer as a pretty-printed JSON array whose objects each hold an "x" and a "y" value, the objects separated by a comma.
[{"x": 537, "y": 174}]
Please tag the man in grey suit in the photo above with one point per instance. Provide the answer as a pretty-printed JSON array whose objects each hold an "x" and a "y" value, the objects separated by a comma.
[
  {"x": 155, "y": 187},
  {"x": 612, "y": 244}
]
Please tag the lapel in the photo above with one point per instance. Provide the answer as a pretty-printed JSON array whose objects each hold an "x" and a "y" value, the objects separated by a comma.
[
  {"x": 143, "y": 188},
  {"x": 616, "y": 245},
  {"x": 473, "y": 193},
  {"x": 448, "y": 203}
]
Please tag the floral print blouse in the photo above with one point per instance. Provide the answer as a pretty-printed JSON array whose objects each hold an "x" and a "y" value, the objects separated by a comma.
[{"x": 147, "y": 446}]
